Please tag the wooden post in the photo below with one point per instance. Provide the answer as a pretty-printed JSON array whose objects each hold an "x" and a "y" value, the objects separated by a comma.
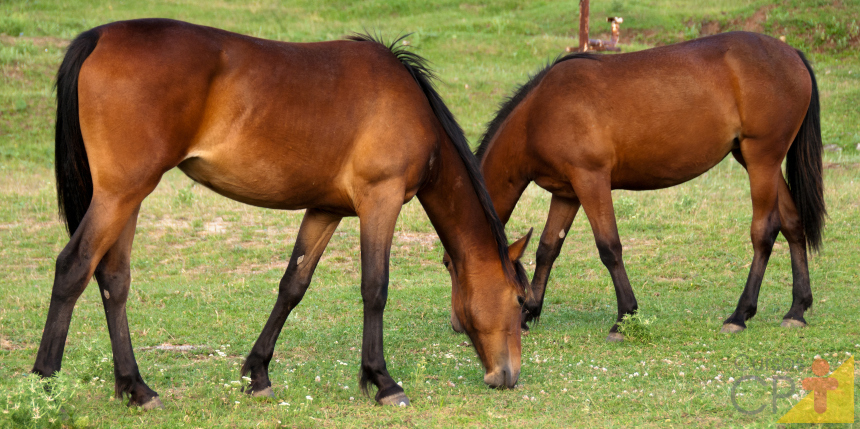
[{"x": 583, "y": 25}]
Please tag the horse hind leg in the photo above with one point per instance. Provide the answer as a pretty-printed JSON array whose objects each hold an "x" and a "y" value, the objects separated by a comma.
[
  {"x": 113, "y": 274},
  {"x": 562, "y": 211},
  {"x": 792, "y": 230},
  {"x": 314, "y": 234},
  {"x": 764, "y": 174},
  {"x": 105, "y": 221}
]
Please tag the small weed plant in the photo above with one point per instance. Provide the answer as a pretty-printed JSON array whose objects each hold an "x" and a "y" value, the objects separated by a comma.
[
  {"x": 36, "y": 402},
  {"x": 636, "y": 327}
]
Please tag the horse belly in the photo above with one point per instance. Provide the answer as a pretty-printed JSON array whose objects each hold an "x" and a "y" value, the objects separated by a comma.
[
  {"x": 263, "y": 183},
  {"x": 666, "y": 164}
]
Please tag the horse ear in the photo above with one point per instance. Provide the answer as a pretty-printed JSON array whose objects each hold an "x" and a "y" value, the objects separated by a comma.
[{"x": 515, "y": 251}]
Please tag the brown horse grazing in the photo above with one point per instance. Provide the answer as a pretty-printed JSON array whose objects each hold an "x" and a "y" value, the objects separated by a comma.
[
  {"x": 342, "y": 128},
  {"x": 587, "y": 124}
]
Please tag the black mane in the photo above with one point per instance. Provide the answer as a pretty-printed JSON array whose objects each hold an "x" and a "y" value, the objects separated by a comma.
[
  {"x": 418, "y": 68},
  {"x": 508, "y": 105}
]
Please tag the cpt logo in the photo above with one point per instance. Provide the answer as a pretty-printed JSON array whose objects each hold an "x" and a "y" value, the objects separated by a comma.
[{"x": 830, "y": 399}]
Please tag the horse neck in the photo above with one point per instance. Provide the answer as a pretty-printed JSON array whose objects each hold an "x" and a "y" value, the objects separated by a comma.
[
  {"x": 452, "y": 204},
  {"x": 505, "y": 168}
]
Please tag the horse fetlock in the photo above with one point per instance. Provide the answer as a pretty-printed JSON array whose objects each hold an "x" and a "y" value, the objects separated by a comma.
[
  {"x": 529, "y": 317},
  {"x": 532, "y": 310},
  {"x": 750, "y": 313}
]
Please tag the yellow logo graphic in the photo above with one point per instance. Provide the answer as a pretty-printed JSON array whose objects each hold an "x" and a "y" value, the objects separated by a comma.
[{"x": 830, "y": 399}]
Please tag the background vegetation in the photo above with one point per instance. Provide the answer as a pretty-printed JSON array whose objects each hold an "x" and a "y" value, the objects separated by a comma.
[{"x": 205, "y": 269}]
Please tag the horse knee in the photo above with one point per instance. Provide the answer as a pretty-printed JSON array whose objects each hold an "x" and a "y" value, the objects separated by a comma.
[
  {"x": 610, "y": 253},
  {"x": 115, "y": 285},
  {"x": 764, "y": 235},
  {"x": 71, "y": 278},
  {"x": 293, "y": 290},
  {"x": 546, "y": 253},
  {"x": 374, "y": 294},
  {"x": 792, "y": 229}
]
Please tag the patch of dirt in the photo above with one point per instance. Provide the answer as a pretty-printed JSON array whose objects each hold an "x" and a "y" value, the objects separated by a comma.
[
  {"x": 250, "y": 268},
  {"x": 173, "y": 348},
  {"x": 839, "y": 166},
  {"x": 217, "y": 226},
  {"x": 707, "y": 27},
  {"x": 168, "y": 223},
  {"x": 633, "y": 243},
  {"x": 7, "y": 345},
  {"x": 427, "y": 239},
  {"x": 754, "y": 23},
  {"x": 13, "y": 73},
  {"x": 40, "y": 41}
]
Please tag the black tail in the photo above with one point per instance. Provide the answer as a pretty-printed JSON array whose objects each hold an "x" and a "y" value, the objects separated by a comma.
[
  {"x": 804, "y": 169},
  {"x": 74, "y": 182}
]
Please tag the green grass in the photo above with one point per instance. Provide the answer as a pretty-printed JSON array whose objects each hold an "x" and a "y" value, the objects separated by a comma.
[{"x": 205, "y": 269}]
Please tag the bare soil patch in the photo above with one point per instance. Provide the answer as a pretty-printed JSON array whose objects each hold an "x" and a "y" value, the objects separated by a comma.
[{"x": 41, "y": 41}]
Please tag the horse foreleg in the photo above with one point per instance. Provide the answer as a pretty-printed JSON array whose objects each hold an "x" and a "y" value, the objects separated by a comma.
[
  {"x": 562, "y": 211},
  {"x": 314, "y": 234},
  {"x": 792, "y": 230},
  {"x": 114, "y": 279},
  {"x": 764, "y": 174},
  {"x": 377, "y": 227},
  {"x": 595, "y": 195}
]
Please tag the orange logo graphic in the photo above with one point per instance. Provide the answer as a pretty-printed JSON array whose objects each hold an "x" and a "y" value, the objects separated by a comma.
[{"x": 831, "y": 399}]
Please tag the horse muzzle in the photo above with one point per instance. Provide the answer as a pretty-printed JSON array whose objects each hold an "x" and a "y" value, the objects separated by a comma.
[{"x": 502, "y": 378}]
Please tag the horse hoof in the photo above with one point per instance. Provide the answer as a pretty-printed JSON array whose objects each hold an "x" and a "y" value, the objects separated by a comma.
[
  {"x": 265, "y": 393},
  {"x": 398, "y": 399},
  {"x": 152, "y": 404},
  {"x": 615, "y": 337},
  {"x": 731, "y": 328},
  {"x": 791, "y": 323}
]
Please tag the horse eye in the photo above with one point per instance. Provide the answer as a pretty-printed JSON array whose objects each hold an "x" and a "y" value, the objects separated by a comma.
[
  {"x": 521, "y": 300},
  {"x": 445, "y": 263}
]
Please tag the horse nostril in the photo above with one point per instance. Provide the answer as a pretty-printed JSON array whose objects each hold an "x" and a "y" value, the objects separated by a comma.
[{"x": 512, "y": 381}]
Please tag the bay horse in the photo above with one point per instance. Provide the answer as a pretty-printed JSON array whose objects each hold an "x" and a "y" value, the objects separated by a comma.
[
  {"x": 339, "y": 128},
  {"x": 587, "y": 124}
]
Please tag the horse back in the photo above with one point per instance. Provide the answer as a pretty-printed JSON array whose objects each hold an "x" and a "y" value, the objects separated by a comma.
[
  {"x": 283, "y": 125},
  {"x": 659, "y": 117}
]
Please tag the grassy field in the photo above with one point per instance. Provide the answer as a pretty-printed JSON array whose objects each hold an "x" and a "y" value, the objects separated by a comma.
[{"x": 205, "y": 269}]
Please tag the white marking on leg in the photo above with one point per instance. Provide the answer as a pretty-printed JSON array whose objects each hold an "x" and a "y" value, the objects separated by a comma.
[
  {"x": 300, "y": 259},
  {"x": 107, "y": 294},
  {"x": 561, "y": 234}
]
